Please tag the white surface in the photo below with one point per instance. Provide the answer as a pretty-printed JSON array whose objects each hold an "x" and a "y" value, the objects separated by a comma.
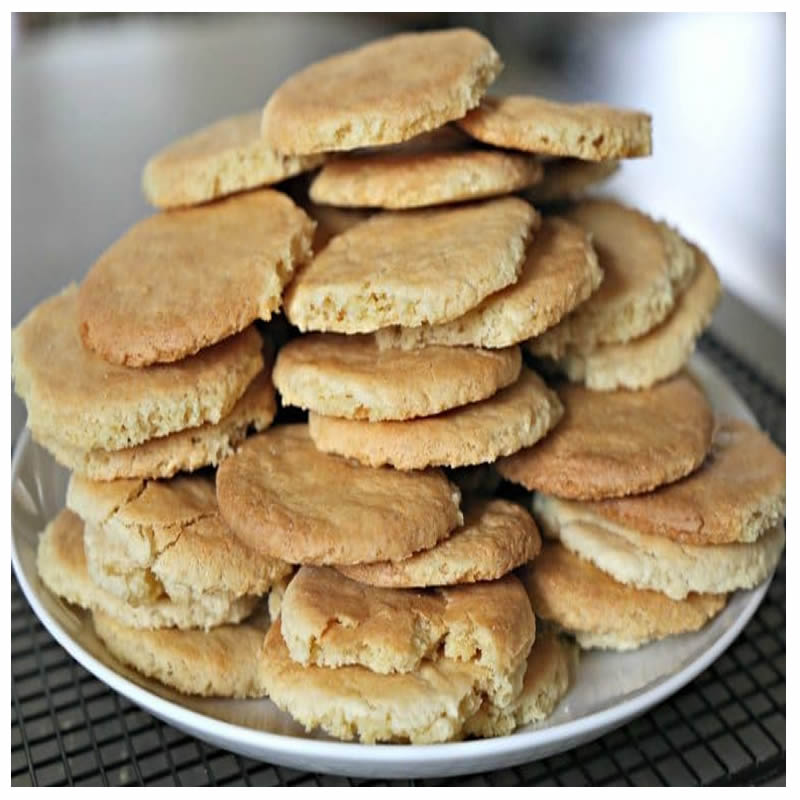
[{"x": 610, "y": 688}]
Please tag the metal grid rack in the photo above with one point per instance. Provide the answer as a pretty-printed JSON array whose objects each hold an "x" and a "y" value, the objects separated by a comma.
[{"x": 727, "y": 727}]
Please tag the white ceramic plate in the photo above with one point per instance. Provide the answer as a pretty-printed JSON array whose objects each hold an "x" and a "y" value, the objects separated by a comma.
[{"x": 610, "y": 688}]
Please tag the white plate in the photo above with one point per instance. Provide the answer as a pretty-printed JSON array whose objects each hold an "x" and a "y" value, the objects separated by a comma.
[{"x": 610, "y": 688}]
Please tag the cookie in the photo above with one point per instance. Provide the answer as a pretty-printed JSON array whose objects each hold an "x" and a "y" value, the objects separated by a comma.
[
  {"x": 398, "y": 180},
  {"x": 82, "y": 402},
  {"x": 560, "y": 272},
  {"x": 385, "y": 92},
  {"x": 145, "y": 540},
  {"x": 225, "y": 157},
  {"x": 431, "y": 704},
  {"x": 61, "y": 563},
  {"x": 276, "y": 593},
  {"x": 284, "y": 498},
  {"x": 497, "y": 536},
  {"x": 179, "y": 282},
  {"x": 567, "y": 179},
  {"x": 221, "y": 662},
  {"x": 737, "y": 495},
  {"x": 328, "y": 620},
  {"x": 658, "y": 354},
  {"x": 645, "y": 265},
  {"x": 184, "y": 451},
  {"x": 412, "y": 267},
  {"x": 515, "y": 417},
  {"x": 612, "y": 444},
  {"x": 601, "y": 612},
  {"x": 590, "y": 131},
  {"x": 550, "y": 673},
  {"x": 349, "y": 376},
  {"x": 332, "y": 221}
]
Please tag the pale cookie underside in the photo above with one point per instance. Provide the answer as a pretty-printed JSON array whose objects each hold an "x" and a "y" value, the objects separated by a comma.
[
  {"x": 412, "y": 267},
  {"x": 225, "y": 157},
  {"x": 385, "y": 92},
  {"x": 560, "y": 272},
  {"x": 62, "y": 567},
  {"x": 611, "y": 444},
  {"x": 350, "y": 377},
  {"x": 515, "y": 417},
  {"x": 82, "y": 401},
  {"x": 176, "y": 283},
  {"x": 589, "y": 131},
  {"x": 497, "y": 536},
  {"x": 283, "y": 497}
]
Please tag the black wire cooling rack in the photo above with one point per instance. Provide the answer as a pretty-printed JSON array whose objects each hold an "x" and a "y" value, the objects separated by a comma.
[{"x": 727, "y": 727}]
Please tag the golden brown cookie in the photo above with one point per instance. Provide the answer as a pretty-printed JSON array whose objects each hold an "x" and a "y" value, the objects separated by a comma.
[
  {"x": 145, "y": 540},
  {"x": 658, "y": 354},
  {"x": 412, "y": 267},
  {"x": 384, "y": 92},
  {"x": 181, "y": 281},
  {"x": 431, "y": 704},
  {"x": 83, "y": 402},
  {"x": 184, "y": 451},
  {"x": 611, "y": 444},
  {"x": 284, "y": 498},
  {"x": 515, "y": 417},
  {"x": 600, "y": 612},
  {"x": 645, "y": 265},
  {"x": 220, "y": 159},
  {"x": 497, "y": 536},
  {"x": 568, "y": 179},
  {"x": 349, "y": 376},
  {"x": 398, "y": 180},
  {"x": 737, "y": 495},
  {"x": 590, "y": 131},
  {"x": 560, "y": 272},
  {"x": 328, "y": 620},
  {"x": 650, "y": 561},
  {"x": 221, "y": 662},
  {"x": 61, "y": 562}
]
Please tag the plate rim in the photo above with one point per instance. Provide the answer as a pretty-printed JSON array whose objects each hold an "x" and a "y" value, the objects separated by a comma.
[{"x": 415, "y": 757}]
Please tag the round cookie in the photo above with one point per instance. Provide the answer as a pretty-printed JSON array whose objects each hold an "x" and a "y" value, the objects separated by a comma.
[
  {"x": 61, "y": 562},
  {"x": 349, "y": 376},
  {"x": 612, "y": 444},
  {"x": 178, "y": 282},
  {"x": 385, "y": 92},
  {"x": 497, "y": 536},
  {"x": 737, "y": 495},
  {"x": 567, "y": 179},
  {"x": 658, "y": 354},
  {"x": 600, "y": 612},
  {"x": 225, "y": 157},
  {"x": 431, "y": 704},
  {"x": 655, "y": 562},
  {"x": 645, "y": 265},
  {"x": 284, "y": 498},
  {"x": 515, "y": 417},
  {"x": 145, "y": 540},
  {"x": 412, "y": 267},
  {"x": 590, "y": 131},
  {"x": 331, "y": 621},
  {"x": 400, "y": 180},
  {"x": 560, "y": 272},
  {"x": 221, "y": 662},
  {"x": 184, "y": 451},
  {"x": 81, "y": 401}
]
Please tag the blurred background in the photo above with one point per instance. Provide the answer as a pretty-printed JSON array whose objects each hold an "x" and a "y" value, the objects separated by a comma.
[{"x": 94, "y": 95}]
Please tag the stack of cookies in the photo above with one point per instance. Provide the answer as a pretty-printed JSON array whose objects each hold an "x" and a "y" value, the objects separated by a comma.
[{"x": 357, "y": 566}]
